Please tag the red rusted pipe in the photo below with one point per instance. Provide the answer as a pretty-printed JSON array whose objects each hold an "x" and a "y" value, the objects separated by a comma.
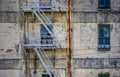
[{"x": 70, "y": 38}]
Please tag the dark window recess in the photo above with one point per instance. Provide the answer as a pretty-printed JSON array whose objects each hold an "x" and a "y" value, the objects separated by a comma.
[
  {"x": 104, "y": 74},
  {"x": 104, "y": 36},
  {"x": 103, "y": 4},
  {"x": 46, "y": 75},
  {"x": 46, "y": 38}
]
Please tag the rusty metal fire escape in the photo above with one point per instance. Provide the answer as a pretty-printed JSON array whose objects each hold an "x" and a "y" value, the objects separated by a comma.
[{"x": 37, "y": 9}]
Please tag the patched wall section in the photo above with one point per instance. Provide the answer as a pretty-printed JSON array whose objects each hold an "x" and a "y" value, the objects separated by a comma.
[
  {"x": 11, "y": 58},
  {"x": 10, "y": 40},
  {"x": 10, "y": 46}
]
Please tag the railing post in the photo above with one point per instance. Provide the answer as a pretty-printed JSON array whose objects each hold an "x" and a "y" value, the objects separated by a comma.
[{"x": 52, "y": 3}]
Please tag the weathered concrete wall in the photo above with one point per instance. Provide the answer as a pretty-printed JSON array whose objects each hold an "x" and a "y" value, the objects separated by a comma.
[
  {"x": 96, "y": 17},
  {"x": 86, "y": 56},
  {"x": 11, "y": 56},
  {"x": 92, "y": 5},
  {"x": 9, "y": 5},
  {"x": 11, "y": 62},
  {"x": 60, "y": 73},
  {"x": 58, "y": 58},
  {"x": 10, "y": 40},
  {"x": 86, "y": 41},
  {"x": 88, "y": 61},
  {"x": 94, "y": 72},
  {"x": 85, "y": 5},
  {"x": 56, "y": 17},
  {"x": 59, "y": 30},
  {"x": 96, "y": 63},
  {"x": 11, "y": 73},
  {"x": 9, "y": 11},
  {"x": 115, "y": 5}
]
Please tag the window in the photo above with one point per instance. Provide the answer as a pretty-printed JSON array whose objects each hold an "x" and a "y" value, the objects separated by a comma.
[
  {"x": 103, "y": 4},
  {"x": 103, "y": 36},
  {"x": 46, "y": 75},
  {"x": 104, "y": 74},
  {"x": 46, "y": 38}
]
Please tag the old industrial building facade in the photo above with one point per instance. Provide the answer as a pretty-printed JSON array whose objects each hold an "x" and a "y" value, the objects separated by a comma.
[{"x": 34, "y": 38}]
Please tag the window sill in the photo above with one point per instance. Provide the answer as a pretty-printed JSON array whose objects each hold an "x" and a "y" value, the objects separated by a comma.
[
  {"x": 103, "y": 49},
  {"x": 104, "y": 9}
]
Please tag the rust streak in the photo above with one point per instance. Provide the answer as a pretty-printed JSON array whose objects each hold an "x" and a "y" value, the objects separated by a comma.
[{"x": 70, "y": 37}]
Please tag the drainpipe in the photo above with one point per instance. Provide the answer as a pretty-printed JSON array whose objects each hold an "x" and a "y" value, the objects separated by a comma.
[{"x": 69, "y": 25}]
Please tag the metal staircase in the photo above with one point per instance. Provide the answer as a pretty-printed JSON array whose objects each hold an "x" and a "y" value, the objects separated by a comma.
[
  {"x": 42, "y": 55},
  {"x": 44, "y": 20},
  {"x": 41, "y": 16},
  {"x": 46, "y": 23},
  {"x": 45, "y": 61}
]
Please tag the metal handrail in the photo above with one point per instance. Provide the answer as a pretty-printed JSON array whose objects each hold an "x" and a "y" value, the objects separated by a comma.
[
  {"x": 51, "y": 3},
  {"x": 42, "y": 61}
]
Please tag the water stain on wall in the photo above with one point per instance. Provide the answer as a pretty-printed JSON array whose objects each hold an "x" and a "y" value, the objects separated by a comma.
[{"x": 9, "y": 50}]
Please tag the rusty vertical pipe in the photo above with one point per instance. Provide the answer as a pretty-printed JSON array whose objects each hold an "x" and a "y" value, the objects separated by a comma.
[{"x": 70, "y": 38}]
